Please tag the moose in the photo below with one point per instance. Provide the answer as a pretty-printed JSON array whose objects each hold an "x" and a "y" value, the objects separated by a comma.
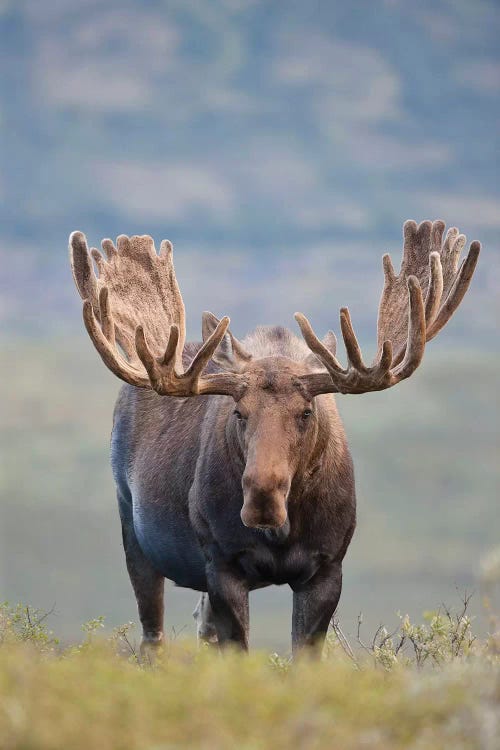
[{"x": 231, "y": 462}]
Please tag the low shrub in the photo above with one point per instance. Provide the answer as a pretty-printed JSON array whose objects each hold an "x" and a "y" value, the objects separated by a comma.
[{"x": 431, "y": 685}]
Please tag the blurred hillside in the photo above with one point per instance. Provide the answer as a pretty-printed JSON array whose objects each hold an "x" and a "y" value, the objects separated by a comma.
[{"x": 280, "y": 147}]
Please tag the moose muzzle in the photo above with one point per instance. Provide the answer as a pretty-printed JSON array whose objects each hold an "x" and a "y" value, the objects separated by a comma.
[{"x": 264, "y": 501}]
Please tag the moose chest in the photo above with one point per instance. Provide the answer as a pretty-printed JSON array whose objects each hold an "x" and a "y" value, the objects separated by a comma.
[{"x": 270, "y": 562}]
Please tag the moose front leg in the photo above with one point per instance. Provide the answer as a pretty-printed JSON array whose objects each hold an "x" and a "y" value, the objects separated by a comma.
[
  {"x": 228, "y": 594},
  {"x": 148, "y": 587},
  {"x": 313, "y": 606}
]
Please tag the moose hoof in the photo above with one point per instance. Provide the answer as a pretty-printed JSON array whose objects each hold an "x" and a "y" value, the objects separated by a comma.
[
  {"x": 205, "y": 628},
  {"x": 150, "y": 647},
  {"x": 207, "y": 635}
]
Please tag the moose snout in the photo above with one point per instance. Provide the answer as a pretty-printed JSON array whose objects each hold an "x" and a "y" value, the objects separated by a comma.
[{"x": 265, "y": 501}]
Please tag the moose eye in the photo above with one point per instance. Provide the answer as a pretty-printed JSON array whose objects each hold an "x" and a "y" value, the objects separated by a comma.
[
  {"x": 237, "y": 414},
  {"x": 306, "y": 413}
]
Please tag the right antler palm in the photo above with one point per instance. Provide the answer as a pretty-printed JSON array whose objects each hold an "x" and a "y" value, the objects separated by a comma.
[{"x": 414, "y": 306}]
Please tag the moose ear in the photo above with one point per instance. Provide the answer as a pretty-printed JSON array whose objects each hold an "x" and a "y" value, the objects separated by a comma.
[
  {"x": 230, "y": 354},
  {"x": 330, "y": 341}
]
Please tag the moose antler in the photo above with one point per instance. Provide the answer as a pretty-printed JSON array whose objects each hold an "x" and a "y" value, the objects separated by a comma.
[
  {"x": 415, "y": 305},
  {"x": 136, "y": 304}
]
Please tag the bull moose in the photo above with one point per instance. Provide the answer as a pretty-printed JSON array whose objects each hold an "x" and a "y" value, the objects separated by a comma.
[{"x": 230, "y": 459}]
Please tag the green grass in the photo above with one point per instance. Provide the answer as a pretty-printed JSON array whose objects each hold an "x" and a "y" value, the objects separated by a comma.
[{"x": 99, "y": 694}]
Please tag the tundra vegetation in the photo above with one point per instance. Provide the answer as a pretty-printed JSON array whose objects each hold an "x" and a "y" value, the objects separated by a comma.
[{"x": 430, "y": 686}]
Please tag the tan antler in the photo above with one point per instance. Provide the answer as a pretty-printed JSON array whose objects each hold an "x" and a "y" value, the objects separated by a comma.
[
  {"x": 415, "y": 305},
  {"x": 134, "y": 314}
]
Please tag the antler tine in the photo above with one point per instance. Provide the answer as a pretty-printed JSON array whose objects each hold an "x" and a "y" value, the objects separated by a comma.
[
  {"x": 435, "y": 290},
  {"x": 353, "y": 349},
  {"x": 457, "y": 291},
  {"x": 82, "y": 269},
  {"x": 204, "y": 354},
  {"x": 147, "y": 358},
  {"x": 107, "y": 323},
  {"x": 316, "y": 346},
  {"x": 222, "y": 383},
  {"x": 382, "y": 364},
  {"x": 108, "y": 352},
  {"x": 172, "y": 346},
  {"x": 416, "y": 333}
]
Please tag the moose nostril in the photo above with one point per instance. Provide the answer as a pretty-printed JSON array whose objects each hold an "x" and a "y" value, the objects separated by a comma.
[{"x": 257, "y": 519}]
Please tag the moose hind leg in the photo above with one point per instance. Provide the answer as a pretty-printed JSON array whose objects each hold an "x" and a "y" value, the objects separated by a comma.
[
  {"x": 148, "y": 587},
  {"x": 205, "y": 625},
  {"x": 228, "y": 595}
]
